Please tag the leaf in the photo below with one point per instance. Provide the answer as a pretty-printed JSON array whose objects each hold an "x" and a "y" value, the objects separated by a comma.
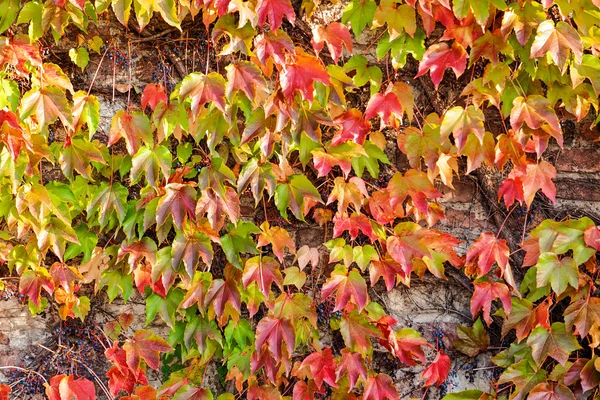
[
  {"x": 472, "y": 340},
  {"x": 223, "y": 293},
  {"x": 473, "y": 394},
  {"x": 264, "y": 271},
  {"x": 389, "y": 270},
  {"x": 322, "y": 367},
  {"x": 557, "y": 40},
  {"x": 151, "y": 161},
  {"x": 538, "y": 113},
  {"x": 360, "y": 14},
  {"x": 5, "y": 391},
  {"x": 591, "y": 236},
  {"x": 354, "y": 224},
  {"x": 583, "y": 314},
  {"x": 555, "y": 342},
  {"x": 347, "y": 285},
  {"x": 437, "y": 371},
  {"x": 486, "y": 250},
  {"x": 46, "y": 105},
  {"x": 86, "y": 110},
  {"x": 380, "y": 387},
  {"x": 178, "y": 202},
  {"x": 439, "y": 57},
  {"x": 145, "y": 345},
  {"x": 353, "y": 127},
  {"x": 273, "y": 45},
  {"x": 387, "y": 106},
  {"x": 258, "y": 176},
  {"x": 64, "y": 387},
  {"x": 399, "y": 19},
  {"x": 7, "y": 17},
  {"x": 559, "y": 273},
  {"x": 524, "y": 375},
  {"x": 296, "y": 195},
  {"x": 462, "y": 122},
  {"x": 484, "y": 295},
  {"x": 414, "y": 184},
  {"x": 152, "y": 95},
  {"x": 335, "y": 35},
  {"x": 307, "y": 255},
  {"x": 279, "y": 239},
  {"x": 301, "y": 76},
  {"x": 246, "y": 77},
  {"x": 407, "y": 344},
  {"x": 189, "y": 246},
  {"x": 32, "y": 283},
  {"x": 216, "y": 208},
  {"x": 551, "y": 391},
  {"x": 357, "y": 332},
  {"x": 134, "y": 127},
  {"x": 202, "y": 89},
  {"x": 277, "y": 334},
  {"x": 353, "y": 365},
  {"x": 77, "y": 155},
  {"x": 273, "y": 11},
  {"x": 539, "y": 176},
  {"x": 107, "y": 199},
  {"x": 524, "y": 317}
]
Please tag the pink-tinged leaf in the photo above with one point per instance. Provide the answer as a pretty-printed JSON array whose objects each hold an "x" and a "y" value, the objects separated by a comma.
[
  {"x": 354, "y": 224},
  {"x": 414, "y": 184},
  {"x": 438, "y": 371},
  {"x": 305, "y": 391},
  {"x": 322, "y": 367},
  {"x": 222, "y": 293},
  {"x": 65, "y": 275},
  {"x": 278, "y": 334},
  {"x": 439, "y": 57},
  {"x": 555, "y": 342},
  {"x": 407, "y": 344},
  {"x": 273, "y": 45},
  {"x": 551, "y": 391},
  {"x": 592, "y": 237},
  {"x": 216, "y": 208},
  {"x": 486, "y": 250},
  {"x": 32, "y": 283},
  {"x": 11, "y": 133},
  {"x": 353, "y": 127},
  {"x": 178, "y": 201},
  {"x": 147, "y": 346},
  {"x": 335, "y": 35},
  {"x": 380, "y": 387},
  {"x": 264, "y": 271},
  {"x": 353, "y": 365},
  {"x": 202, "y": 89},
  {"x": 583, "y": 314},
  {"x": 279, "y": 239},
  {"x": 511, "y": 190},
  {"x": 388, "y": 269},
  {"x": 557, "y": 40},
  {"x": 348, "y": 285},
  {"x": 537, "y": 113},
  {"x": 539, "y": 176},
  {"x": 152, "y": 95},
  {"x": 134, "y": 127},
  {"x": 246, "y": 77},
  {"x": 64, "y": 387},
  {"x": 301, "y": 76},
  {"x": 387, "y": 106},
  {"x": 274, "y": 10},
  {"x": 484, "y": 295},
  {"x": 407, "y": 244}
]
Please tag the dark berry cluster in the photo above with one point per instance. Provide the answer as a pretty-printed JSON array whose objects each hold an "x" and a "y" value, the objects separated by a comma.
[
  {"x": 325, "y": 312},
  {"x": 120, "y": 58},
  {"x": 438, "y": 335}
]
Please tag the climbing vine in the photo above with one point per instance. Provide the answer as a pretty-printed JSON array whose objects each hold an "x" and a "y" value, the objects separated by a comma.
[{"x": 157, "y": 205}]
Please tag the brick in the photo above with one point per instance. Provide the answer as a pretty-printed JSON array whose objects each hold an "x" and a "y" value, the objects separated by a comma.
[
  {"x": 577, "y": 189},
  {"x": 579, "y": 160}
]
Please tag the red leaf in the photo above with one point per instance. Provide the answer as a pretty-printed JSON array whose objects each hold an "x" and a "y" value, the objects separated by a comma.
[
  {"x": 65, "y": 275},
  {"x": 64, "y": 387},
  {"x": 539, "y": 176},
  {"x": 264, "y": 271},
  {"x": 348, "y": 285},
  {"x": 524, "y": 317},
  {"x": 245, "y": 76},
  {"x": 31, "y": 284},
  {"x": 204, "y": 89},
  {"x": 551, "y": 391},
  {"x": 484, "y": 294},
  {"x": 439, "y": 57},
  {"x": 352, "y": 364},
  {"x": 387, "y": 106},
  {"x": 414, "y": 184},
  {"x": 380, "y": 387},
  {"x": 486, "y": 250},
  {"x": 407, "y": 344},
  {"x": 275, "y": 45},
  {"x": 388, "y": 269},
  {"x": 304, "y": 391},
  {"x": 336, "y": 35},
  {"x": 216, "y": 208},
  {"x": 147, "y": 346},
  {"x": 134, "y": 127},
  {"x": 592, "y": 237},
  {"x": 301, "y": 76},
  {"x": 274, "y": 10},
  {"x": 354, "y": 224},
  {"x": 152, "y": 95},
  {"x": 406, "y": 245},
  {"x": 178, "y": 201},
  {"x": 11, "y": 133},
  {"x": 438, "y": 371},
  {"x": 511, "y": 189},
  {"x": 322, "y": 367},
  {"x": 275, "y": 332},
  {"x": 353, "y": 127},
  {"x": 278, "y": 237},
  {"x": 536, "y": 111},
  {"x": 222, "y": 293},
  {"x": 119, "y": 380},
  {"x": 5, "y": 391}
]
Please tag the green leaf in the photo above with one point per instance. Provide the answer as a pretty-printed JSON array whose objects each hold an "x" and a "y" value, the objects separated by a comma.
[
  {"x": 155, "y": 304},
  {"x": 8, "y": 13},
  {"x": 473, "y": 394},
  {"x": 559, "y": 273},
  {"x": 472, "y": 340},
  {"x": 87, "y": 239},
  {"x": 237, "y": 240},
  {"x": 80, "y": 57},
  {"x": 293, "y": 194},
  {"x": 122, "y": 10},
  {"x": 555, "y": 342},
  {"x": 371, "y": 161},
  {"x": 401, "y": 47},
  {"x": 32, "y": 12},
  {"x": 116, "y": 283},
  {"x": 151, "y": 161},
  {"x": 359, "y": 13}
]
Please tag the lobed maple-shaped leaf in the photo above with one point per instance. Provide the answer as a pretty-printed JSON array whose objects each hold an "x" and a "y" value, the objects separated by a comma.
[
  {"x": 555, "y": 342},
  {"x": 525, "y": 375},
  {"x": 387, "y": 106},
  {"x": 298, "y": 194},
  {"x": 483, "y": 296},
  {"x": 359, "y": 14},
  {"x": 557, "y": 40},
  {"x": 524, "y": 317},
  {"x": 538, "y": 176},
  {"x": 246, "y": 77},
  {"x": 152, "y": 95},
  {"x": 559, "y": 273},
  {"x": 145, "y": 345},
  {"x": 437, "y": 371},
  {"x": 46, "y": 105},
  {"x": 202, "y": 89},
  {"x": 415, "y": 184},
  {"x": 279, "y": 239},
  {"x": 551, "y": 391},
  {"x": 583, "y": 314},
  {"x": 222, "y": 293},
  {"x": 63, "y": 387},
  {"x": 353, "y": 127},
  {"x": 11, "y": 133},
  {"x": 77, "y": 155},
  {"x": 335, "y": 35},
  {"x": 354, "y": 224},
  {"x": 538, "y": 113},
  {"x": 276, "y": 333},
  {"x": 380, "y": 387},
  {"x": 440, "y": 57},
  {"x": 301, "y": 76},
  {"x": 189, "y": 246},
  {"x": 134, "y": 127},
  {"x": 407, "y": 344},
  {"x": 322, "y": 367},
  {"x": 273, "y": 45},
  {"x": 523, "y": 19},
  {"x": 472, "y": 340},
  {"x": 462, "y": 122},
  {"x": 216, "y": 208},
  {"x": 264, "y": 271},
  {"x": 407, "y": 244},
  {"x": 486, "y": 250},
  {"x": 31, "y": 284},
  {"x": 347, "y": 284},
  {"x": 388, "y": 269},
  {"x": 273, "y": 11},
  {"x": 178, "y": 202},
  {"x": 353, "y": 365}
]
